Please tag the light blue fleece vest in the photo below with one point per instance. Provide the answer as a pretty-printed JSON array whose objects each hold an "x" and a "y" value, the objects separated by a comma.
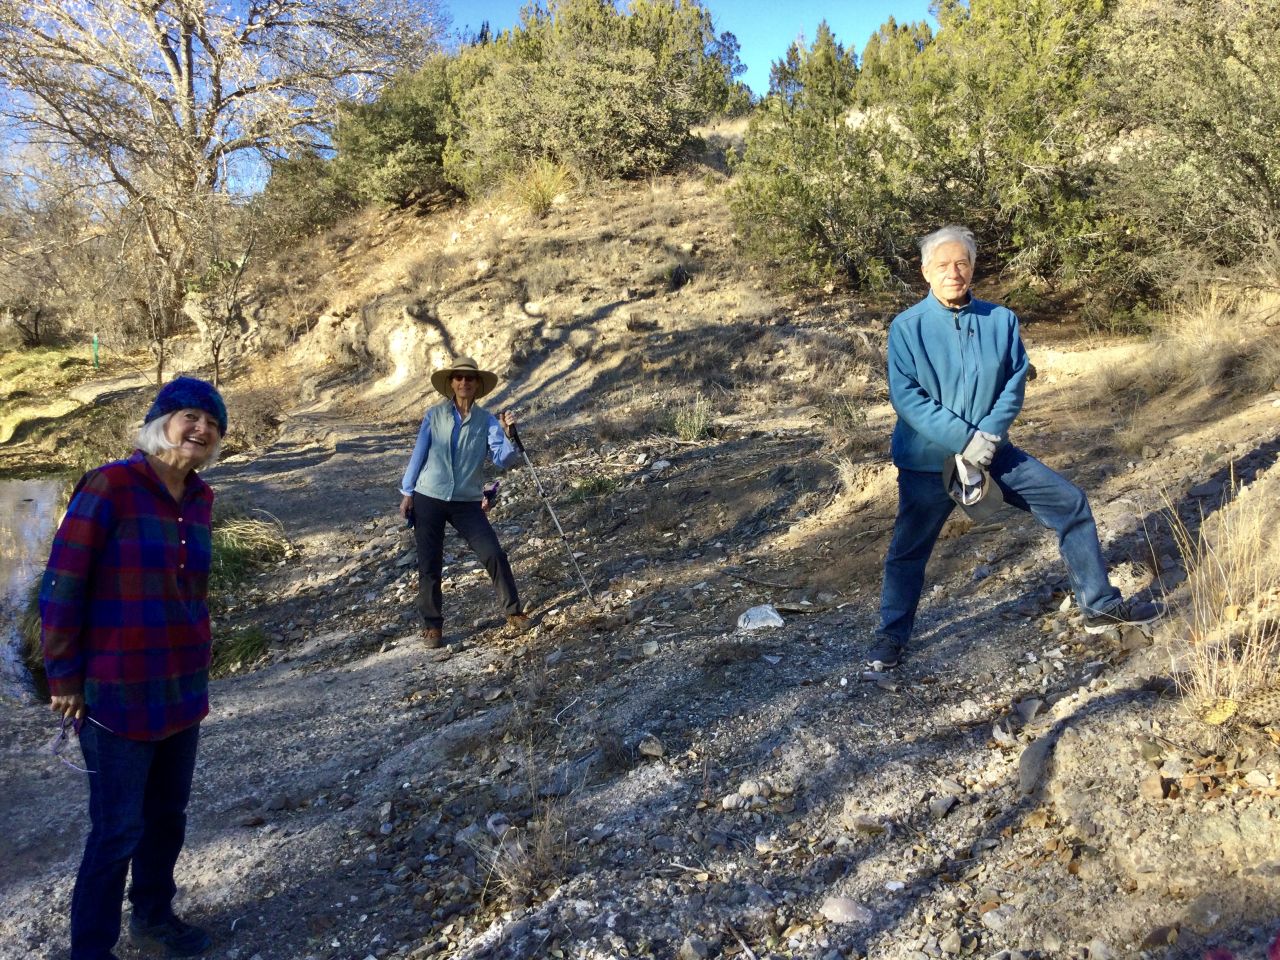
[{"x": 460, "y": 476}]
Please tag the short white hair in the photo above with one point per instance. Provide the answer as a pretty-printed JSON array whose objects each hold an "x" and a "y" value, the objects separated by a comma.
[
  {"x": 151, "y": 439},
  {"x": 951, "y": 234}
]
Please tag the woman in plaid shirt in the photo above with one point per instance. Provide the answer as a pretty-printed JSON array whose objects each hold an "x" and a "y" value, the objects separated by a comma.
[{"x": 125, "y": 630}]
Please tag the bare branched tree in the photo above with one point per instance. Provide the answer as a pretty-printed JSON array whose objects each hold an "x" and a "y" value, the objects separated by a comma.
[{"x": 163, "y": 103}]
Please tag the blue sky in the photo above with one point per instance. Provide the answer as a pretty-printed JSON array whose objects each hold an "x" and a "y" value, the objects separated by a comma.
[{"x": 764, "y": 28}]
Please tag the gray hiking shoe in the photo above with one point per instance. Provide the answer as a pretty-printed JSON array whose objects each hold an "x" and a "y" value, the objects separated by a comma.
[
  {"x": 885, "y": 653},
  {"x": 1126, "y": 613}
]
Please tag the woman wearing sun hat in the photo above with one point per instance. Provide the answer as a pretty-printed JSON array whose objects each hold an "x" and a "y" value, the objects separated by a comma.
[
  {"x": 125, "y": 631},
  {"x": 443, "y": 484}
]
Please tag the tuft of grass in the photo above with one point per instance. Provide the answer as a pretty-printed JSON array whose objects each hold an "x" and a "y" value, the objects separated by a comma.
[
  {"x": 237, "y": 651},
  {"x": 1215, "y": 340},
  {"x": 593, "y": 485},
  {"x": 524, "y": 861},
  {"x": 539, "y": 184},
  {"x": 1231, "y": 617},
  {"x": 848, "y": 418},
  {"x": 691, "y": 419},
  {"x": 243, "y": 544}
]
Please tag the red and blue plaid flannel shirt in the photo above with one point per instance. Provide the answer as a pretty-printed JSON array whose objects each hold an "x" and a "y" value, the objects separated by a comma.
[{"x": 123, "y": 603}]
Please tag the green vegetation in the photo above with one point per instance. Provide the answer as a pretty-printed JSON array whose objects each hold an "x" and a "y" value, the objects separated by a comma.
[
  {"x": 577, "y": 89},
  {"x": 593, "y": 485},
  {"x": 236, "y": 651},
  {"x": 242, "y": 544},
  {"x": 1092, "y": 146},
  {"x": 392, "y": 148},
  {"x": 691, "y": 419}
]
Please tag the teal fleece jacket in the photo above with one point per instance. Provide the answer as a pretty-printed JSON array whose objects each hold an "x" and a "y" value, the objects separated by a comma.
[{"x": 952, "y": 372}]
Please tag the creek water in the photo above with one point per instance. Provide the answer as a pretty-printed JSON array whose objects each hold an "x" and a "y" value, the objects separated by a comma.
[{"x": 29, "y": 512}]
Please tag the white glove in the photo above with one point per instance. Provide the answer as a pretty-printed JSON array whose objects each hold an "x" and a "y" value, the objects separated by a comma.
[
  {"x": 967, "y": 483},
  {"x": 981, "y": 448},
  {"x": 969, "y": 475}
]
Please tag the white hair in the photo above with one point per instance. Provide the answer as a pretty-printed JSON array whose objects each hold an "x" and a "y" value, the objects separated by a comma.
[
  {"x": 151, "y": 439},
  {"x": 951, "y": 234}
]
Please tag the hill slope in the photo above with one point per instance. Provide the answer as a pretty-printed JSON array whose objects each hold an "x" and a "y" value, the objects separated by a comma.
[{"x": 634, "y": 776}]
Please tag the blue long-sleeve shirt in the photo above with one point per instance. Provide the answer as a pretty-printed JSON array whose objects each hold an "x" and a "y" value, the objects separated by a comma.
[
  {"x": 951, "y": 373},
  {"x": 449, "y": 454}
]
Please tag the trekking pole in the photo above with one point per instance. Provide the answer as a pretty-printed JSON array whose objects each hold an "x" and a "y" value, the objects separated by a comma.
[{"x": 546, "y": 502}]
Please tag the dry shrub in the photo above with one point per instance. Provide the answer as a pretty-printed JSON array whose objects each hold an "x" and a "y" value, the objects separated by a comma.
[
  {"x": 243, "y": 544},
  {"x": 1232, "y": 610},
  {"x": 691, "y": 419},
  {"x": 520, "y": 862},
  {"x": 1216, "y": 339},
  {"x": 525, "y": 860}
]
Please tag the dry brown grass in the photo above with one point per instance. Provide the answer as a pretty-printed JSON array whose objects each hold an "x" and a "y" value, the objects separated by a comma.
[
  {"x": 1229, "y": 648},
  {"x": 1217, "y": 339},
  {"x": 526, "y": 860}
]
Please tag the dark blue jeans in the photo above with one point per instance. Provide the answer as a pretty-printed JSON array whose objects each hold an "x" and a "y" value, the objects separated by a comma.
[
  {"x": 429, "y": 517},
  {"x": 923, "y": 507},
  {"x": 138, "y": 793}
]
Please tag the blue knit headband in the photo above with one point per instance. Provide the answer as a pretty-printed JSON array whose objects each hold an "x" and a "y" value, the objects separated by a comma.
[{"x": 189, "y": 393}]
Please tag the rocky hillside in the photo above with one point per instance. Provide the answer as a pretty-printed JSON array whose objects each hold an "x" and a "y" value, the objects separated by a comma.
[{"x": 636, "y": 776}]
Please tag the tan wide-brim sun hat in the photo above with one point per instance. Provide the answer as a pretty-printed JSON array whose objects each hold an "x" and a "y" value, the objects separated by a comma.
[{"x": 440, "y": 379}]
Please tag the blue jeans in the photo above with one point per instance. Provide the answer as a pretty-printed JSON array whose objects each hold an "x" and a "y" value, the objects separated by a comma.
[
  {"x": 138, "y": 793},
  {"x": 923, "y": 507},
  {"x": 465, "y": 516}
]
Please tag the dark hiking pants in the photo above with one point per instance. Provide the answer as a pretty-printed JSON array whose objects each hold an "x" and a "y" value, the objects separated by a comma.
[{"x": 472, "y": 525}]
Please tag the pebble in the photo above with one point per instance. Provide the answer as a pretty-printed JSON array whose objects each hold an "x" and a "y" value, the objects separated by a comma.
[
  {"x": 1153, "y": 787},
  {"x": 845, "y": 910},
  {"x": 940, "y": 806},
  {"x": 763, "y": 617},
  {"x": 999, "y": 918},
  {"x": 1032, "y": 765},
  {"x": 1256, "y": 778}
]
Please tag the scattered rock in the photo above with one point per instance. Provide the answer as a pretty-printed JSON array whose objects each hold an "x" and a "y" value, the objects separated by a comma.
[
  {"x": 763, "y": 617},
  {"x": 1153, "y": 787},
  {"x": 845, "y": 910},
  {"x": 1033, "y": 764},
  {"x": 941, "y": 805},
  {"x": 694, "y": 948}
]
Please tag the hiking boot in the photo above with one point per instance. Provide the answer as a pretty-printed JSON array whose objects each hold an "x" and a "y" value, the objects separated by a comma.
[
  {"x": 885, "y": 653},
  {"x": 519, "y": 622},
  {"x": 432, "y": 638},
  {"x": 176, "y": 937},
  {"x": 1126, "y": 613}
]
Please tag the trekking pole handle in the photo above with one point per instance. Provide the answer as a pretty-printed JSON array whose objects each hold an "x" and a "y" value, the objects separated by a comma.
[{"x": 515, "y": 438}]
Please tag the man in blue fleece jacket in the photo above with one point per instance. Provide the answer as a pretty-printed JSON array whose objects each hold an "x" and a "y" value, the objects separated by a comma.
[{"x": 957, "y": 375}]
